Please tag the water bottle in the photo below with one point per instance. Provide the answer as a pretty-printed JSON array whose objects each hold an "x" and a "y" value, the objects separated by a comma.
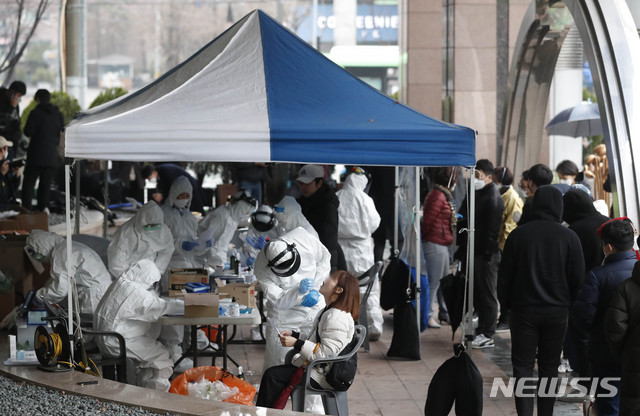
[
  {"x": 240, "y": 373},
  {"x": 234, "y": 308}
]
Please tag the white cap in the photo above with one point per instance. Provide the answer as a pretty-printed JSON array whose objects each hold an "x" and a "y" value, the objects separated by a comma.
[{"x": 310, "y": 172}]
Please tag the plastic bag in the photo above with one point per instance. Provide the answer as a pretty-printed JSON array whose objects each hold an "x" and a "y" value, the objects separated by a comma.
[
  {"x": 246, "y": 391},
  {"x": 211, "y": 390}
]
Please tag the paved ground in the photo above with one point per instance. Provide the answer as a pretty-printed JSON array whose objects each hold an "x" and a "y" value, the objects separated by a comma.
[{"x": 392, "y": 388}]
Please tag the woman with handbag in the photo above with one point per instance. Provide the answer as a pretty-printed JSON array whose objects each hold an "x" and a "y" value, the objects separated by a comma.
[{"x": 333, "y": 330}]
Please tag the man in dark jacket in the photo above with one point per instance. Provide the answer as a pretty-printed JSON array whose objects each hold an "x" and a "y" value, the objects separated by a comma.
[
  {"x": 44, "y": 125},
  {"x": 488, "y": 219},
  {"x": 320, "y": 207},
  {"x": 540, "y": 273},
  {"x": 10, "y": 114},
  {"x": 584, "y": 220},
  {"x": 593, "y": 300},
  {"x": 622, "y": 332},
  {"x": 537, "y": 176}
]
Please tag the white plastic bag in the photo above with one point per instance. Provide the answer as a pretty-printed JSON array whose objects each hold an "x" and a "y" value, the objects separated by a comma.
[{"x": 212, "y": 390}]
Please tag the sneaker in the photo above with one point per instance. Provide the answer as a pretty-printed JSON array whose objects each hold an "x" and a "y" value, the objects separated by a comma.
[
  {"x": 502, "y": 327},
  {"x": 433, "y": 323},
  {"x": 480, "y": 341},
  {"x": 564, "y": 366}
]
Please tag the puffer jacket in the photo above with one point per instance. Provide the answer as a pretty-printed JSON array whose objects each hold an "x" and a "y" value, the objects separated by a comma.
[
  {"x": 436, "y": 219},
  {"x": 511, "y": 215},
  {"x": 622, "y": 332}
]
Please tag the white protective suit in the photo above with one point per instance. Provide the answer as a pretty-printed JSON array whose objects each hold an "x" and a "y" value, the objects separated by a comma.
[
  {"x": 289, "y": 215},
  {"x": 91, "y": 276},
  {"x": 132, "y": 243},
  {"x": 132, "y": 308},
  {"x": 283, "y": 301},
  {"x": 357, "y": 220},
  {"x": 265, "y": 219},
  {"x": 222, "y": 224}
]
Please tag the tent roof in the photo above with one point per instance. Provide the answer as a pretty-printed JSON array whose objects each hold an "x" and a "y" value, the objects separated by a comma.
[{"x": 259, "y": 93}]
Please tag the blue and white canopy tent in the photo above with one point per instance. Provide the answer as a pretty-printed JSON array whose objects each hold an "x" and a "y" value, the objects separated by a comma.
[{"x": 258, "y": 93}]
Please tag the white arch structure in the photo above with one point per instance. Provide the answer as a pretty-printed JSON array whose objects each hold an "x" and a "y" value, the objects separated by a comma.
[{"x": 612, "y": 47}]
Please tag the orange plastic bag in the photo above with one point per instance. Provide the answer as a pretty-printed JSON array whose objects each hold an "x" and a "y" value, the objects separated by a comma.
[
  {"x": 211, "y": 331},
  {"x": 180, "y": 385}
]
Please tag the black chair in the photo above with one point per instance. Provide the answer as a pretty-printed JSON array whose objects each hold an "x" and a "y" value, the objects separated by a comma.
[
  {"x": 368, "y": 279},
  {"x": 335, "y": 402}
]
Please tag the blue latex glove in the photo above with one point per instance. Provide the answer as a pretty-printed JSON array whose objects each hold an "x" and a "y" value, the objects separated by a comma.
[
  {"x": 189, "y": 245},
  {"x": 257, "y": 242},
  {"x": 209, "y": 243},
  {"x": 311, "y": 299},
  {"x": 250, "y": 261},
  {"x": 305, "y": 286}
]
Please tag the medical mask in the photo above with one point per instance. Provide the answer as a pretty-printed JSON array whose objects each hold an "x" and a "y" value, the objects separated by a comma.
[
  {"x": 567, "y": 181},
  {"x": 152, "y": 227},
  {"x": 181, "y": 203},
  {"x": 478, "y": 184}
]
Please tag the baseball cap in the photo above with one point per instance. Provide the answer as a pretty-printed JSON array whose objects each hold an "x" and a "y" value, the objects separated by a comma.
[
  {"x": 4, "y": 142},
  {"x": 310, "y": 172}
]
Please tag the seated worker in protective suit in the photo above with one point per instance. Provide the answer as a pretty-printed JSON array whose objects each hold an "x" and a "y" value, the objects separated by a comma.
[
  {"x": 222, "y": 223},
  {"x": 290, "y": 270},
  {"x": 262, "y": 228},
  {"x": 357, "y": 220},
  {"x": 289, "y": 216},
  {"x": 187, "y": 254},
  {"x": 131, "y": 308},
  {"x": 90, "y": 274},
  {"x": 145, "y": 236}
]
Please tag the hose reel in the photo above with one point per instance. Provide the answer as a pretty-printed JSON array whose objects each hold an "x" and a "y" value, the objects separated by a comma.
[{"x": 53, "y": 350}]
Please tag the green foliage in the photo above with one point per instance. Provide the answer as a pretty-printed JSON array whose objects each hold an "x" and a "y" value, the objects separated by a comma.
[
  {"x": 588, "y": 95},
  {"x": 108, "y": 95},
  {"x": 68, "y": 106},
  {"x": 42, "y": 74},
  {"x": 590, "y": 142}
]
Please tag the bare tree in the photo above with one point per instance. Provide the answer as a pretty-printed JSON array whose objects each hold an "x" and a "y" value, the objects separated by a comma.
[{"x": 18, "y": 22}]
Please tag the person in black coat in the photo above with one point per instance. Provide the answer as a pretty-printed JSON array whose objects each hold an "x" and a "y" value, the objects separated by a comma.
[
  {"x": 593, "y": 300},
  {"x": 541, "y": 271},
  {"x": 10, "y": 114},
  {"x": 44, "y": 125},
  {"x": 320, "y": 207},
  {"x": 622, "y": 332},
  {"x": 537, "y": 176},
  {"x": 489, "y": 208}
]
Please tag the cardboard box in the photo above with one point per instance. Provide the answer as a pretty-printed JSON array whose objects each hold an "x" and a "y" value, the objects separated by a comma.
[
  {"x": 35, "y": 221},
  {"x": 179, "y": 277},
  {"x": 244, "y": 293},
  {"x": 201, "y": 305}
]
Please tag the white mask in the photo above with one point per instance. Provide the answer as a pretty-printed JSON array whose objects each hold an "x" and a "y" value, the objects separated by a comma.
[
  {"x": 567, "y": 181},
  {"x": 478, "y": 184},
  {"x": 181, "y": 203}
]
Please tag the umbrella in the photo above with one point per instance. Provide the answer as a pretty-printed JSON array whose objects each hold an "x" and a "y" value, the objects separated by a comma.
[
  {"x": 579, "y": 121},
  {"x": 294, "y": 380}
]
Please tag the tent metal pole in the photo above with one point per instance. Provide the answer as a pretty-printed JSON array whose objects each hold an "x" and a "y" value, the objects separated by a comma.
[
  {"x": 471, "y": 256},
  {"x": 105, "y": 193},
  {"x": 416, "y": 228},
  {"x": 67, "y": 197},
  {"x": 395, "y": 208},
  {"x": 77, "y": 178}
]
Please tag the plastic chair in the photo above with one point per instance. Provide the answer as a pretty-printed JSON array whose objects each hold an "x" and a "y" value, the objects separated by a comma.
[
  {"x": 335, "y": 402},
  {"x": 368, "y": 279}
]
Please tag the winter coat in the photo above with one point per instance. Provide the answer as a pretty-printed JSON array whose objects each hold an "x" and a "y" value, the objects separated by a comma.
[
  {"x": 592, "y": 302},
  {"x": 436, "y": 219},
  {"x": 321, "y": 210},
  {"x": 584, "y": 220},
  {"x": 542, "y": 264},
  {"x": 489, "y": 209},
  {"x": 336, "y": 329},
  {"x": 44, "y": 125},
  {"x": 622, "y": 332},
  {"x": 9, "y": 118},
  {"x": 511, "y": 215}
]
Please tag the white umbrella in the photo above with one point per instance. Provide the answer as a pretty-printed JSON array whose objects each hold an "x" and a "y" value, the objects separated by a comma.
[{"x": 580, "y": 121}]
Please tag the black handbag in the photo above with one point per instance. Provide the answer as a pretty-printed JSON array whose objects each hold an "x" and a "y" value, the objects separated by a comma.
[
  {"x": 405, "y": 342},
  {"x": 394, "y": 284},
  {"x": 342, "y": 373}
]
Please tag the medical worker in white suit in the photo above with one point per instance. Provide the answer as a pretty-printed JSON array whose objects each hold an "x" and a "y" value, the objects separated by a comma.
[
  {"x": 263, "y": 227},
  {"x": 357, "y": 220},
  {"x": 145, "y": 236},
  {"x": 91, "y": 276},
  {"x": 131, "y": 307},
  {"x": 222, "y": 224},
  {"x": 290, "y": 270},
  {"x": 289, "y": 215}
]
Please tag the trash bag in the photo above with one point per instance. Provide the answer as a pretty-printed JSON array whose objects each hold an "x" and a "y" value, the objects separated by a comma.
[
  {"x": 394, "y": 283},
  {"x": 180, "y": 385},
  {"x": 405, "y": 342},
  {"x": 453, "y": 287},
  {"x": 458, "y": 379}
]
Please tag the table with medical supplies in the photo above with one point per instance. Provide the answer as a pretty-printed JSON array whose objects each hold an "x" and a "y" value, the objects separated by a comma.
[{"x": 252, "y": 318}]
